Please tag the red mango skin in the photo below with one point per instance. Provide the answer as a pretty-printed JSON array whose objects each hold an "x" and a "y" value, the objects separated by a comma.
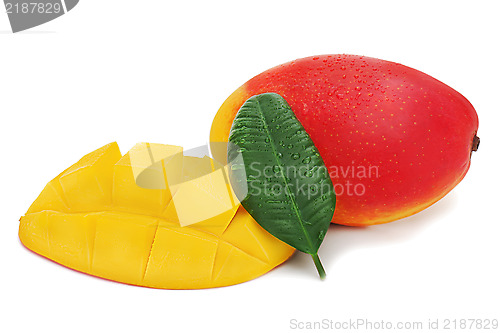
[{"x": 395, "y": 140}]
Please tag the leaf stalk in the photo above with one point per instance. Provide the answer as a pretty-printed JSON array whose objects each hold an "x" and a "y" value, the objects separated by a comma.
[{"x": 319, "y": 266}]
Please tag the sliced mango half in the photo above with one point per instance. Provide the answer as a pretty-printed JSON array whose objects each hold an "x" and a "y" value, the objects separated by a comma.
[{"x": 153, "y": 218}]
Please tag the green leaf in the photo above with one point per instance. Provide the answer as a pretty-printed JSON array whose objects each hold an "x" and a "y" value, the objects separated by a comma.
[{"x": 290, "y": 193}]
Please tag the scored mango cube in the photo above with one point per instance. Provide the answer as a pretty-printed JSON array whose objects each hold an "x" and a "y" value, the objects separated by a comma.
[
  {"x": 83, "y": 187},
  {"x": 156, "y": 166},
  {"x": 142, "y": 178},
  {"x": 123, "y": 263},
  {"x": 204, "y": 199},
  {"x": 87, "y": 184}
]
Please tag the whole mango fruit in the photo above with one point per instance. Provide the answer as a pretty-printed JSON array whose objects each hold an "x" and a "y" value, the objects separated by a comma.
[{"x": 395, "y": 140}]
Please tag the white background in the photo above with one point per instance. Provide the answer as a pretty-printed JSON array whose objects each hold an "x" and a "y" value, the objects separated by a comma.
[{"x": 157, "y": 71}]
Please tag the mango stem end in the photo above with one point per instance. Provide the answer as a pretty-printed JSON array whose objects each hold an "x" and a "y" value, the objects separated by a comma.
[{"x": 475, "y": 143}]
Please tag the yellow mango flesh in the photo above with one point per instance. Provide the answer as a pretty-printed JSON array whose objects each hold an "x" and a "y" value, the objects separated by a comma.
[{"x": 182, "y": 228}]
